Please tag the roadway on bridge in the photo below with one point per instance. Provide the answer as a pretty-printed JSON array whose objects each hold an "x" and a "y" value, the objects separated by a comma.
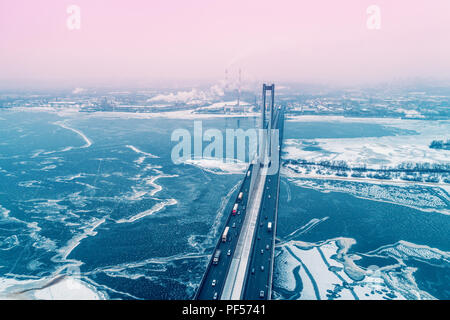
[
  {"x": 219, "y": 272},
  {"x": 258, "y": 273},
  {"x": 259, "y": 277}
]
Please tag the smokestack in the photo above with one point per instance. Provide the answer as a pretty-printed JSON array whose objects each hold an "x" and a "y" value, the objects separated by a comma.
[
  {"x": 226, "y": 79},
  {"x": 239, "y": 90}
]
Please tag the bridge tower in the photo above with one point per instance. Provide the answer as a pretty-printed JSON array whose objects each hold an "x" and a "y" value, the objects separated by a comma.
[{"x": 266, "y": 119}]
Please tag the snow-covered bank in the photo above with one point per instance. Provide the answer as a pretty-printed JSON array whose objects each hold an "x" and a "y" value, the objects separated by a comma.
[
  {"x": 327, "y": 271},
  {"x": 374, "y": 151},
  {"x": 180, "y": 114},
  {"x": 219, "y": 166},
  {"x": 58, "y": 288}
]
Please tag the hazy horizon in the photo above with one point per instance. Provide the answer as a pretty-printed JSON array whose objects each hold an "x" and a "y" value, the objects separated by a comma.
[{"x": 138, "y": 43}]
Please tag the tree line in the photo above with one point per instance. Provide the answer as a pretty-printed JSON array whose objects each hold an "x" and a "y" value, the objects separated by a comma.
[
  {"x": 440, "y": 144},
  {"x": 407, "y": 167}
]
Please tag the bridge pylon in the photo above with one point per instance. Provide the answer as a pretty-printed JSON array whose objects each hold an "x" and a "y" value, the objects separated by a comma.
[{"x": 267, "y": 111}]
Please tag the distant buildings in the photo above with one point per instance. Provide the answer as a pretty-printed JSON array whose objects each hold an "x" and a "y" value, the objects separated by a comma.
[{"x": 355, "y": 103}]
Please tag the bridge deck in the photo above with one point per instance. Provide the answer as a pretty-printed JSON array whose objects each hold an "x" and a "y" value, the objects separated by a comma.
[
  {"x": 236, "y": 277},
  {"x": 262, "y": 254},
  {"x": 245, "y": 267}
]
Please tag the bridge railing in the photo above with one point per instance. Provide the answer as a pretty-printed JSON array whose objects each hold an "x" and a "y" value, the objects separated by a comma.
[{"x": 272, "y": 258}]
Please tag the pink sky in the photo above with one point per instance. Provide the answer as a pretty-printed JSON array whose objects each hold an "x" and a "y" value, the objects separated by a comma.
[{"x": 142, "y": 40}]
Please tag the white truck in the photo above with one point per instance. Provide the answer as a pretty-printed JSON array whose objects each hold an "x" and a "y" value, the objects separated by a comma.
[
  {"x": 240, "y": 196},
  {"x": 216, "y": 257},
  {"x": 225, "y": 234},
  {"x": 269, "y": 226}
]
